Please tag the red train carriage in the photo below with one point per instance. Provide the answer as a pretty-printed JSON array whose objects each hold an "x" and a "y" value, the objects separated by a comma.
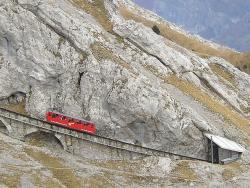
[{"x": 71, "y": 123}]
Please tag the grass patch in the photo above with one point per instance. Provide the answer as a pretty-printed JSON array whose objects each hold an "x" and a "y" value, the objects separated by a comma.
[
  {"x": 142, "y": 180},
  {"x": 65, "y": 175},
  {"x": 102, "y": 53},
  {"x": 228, "y": 174},
  {"x": 231, "y": 170},
  {"x": 126, "y": 169},
  {"x": 99, "y": 181},
  {"x": 183, "y": 173},
  {"x": 215, "y": 106},
  {"x": 240, "y": 60},
  {"x": 220, "y": 71},
  {"x": 245, "y": 109},
  {"x": 97, "y": 9},
  {"x": 57, "y": 54},
  {"x": 18, "y": 108},
  {"x": 38, "y": 181},
  {"x": 10, "y": 180},
  {"x": 152, "y": 69},
  {"x": 123, "y": 165}
]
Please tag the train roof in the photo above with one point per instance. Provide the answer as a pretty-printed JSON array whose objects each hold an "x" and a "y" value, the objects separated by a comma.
[{"x": 72, "y": 117}]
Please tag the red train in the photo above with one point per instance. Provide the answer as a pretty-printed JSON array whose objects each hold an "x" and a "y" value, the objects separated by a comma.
[{"x": 71, "y": 123}]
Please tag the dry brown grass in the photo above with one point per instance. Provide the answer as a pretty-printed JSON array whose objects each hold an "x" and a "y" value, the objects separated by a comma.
[
  {"x": 49, "y": 182},
  {"x": 98, "y": 181},
  {"x": 228, "y": 174},
  {"x": 153, "y": 70},
  {"x": 233, "y": 169},
  {"x": 240, "y": 60},
  {"x": 183, "y": 173},
  {"x": 102, "y": 53},
  {"x": 219, "y": 70},
  {"x": 65, "y": 175},
  {"x": 10, "y": 180},
  {"x": 97, "y": 10},
  {"x": 215, "y": 106},
  {"x": 18, "y": 108},
  {"x": 124, "y": 168},
  {"x": 245, "y": 109}
]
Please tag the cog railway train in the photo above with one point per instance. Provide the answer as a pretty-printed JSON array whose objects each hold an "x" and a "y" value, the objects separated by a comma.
[{"x": 80, "y": 125}]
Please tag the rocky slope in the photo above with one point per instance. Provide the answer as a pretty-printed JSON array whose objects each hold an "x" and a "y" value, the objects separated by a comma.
[
  {"x": 223, "y": 21},
  {"x": 91, "y": 59},
  {"x": 135, "y": 85},
  {"x": 43, "y": 164},
  {"x": 100, "y": 60}
]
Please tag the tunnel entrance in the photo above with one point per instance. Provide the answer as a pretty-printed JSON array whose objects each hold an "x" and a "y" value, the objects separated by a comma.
[
  {"x": 44, "y": 139},
  {"x": 213, "y": 151},
  {"x": 222, "y": 150}
]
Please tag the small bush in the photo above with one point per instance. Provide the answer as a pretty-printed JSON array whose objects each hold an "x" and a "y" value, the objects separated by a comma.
[
  {"x": 156, "y": 30},
  {"x": 202, "y": 49}
]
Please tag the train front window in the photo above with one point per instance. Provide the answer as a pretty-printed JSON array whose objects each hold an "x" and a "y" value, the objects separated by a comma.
[{"x": 54, "y": 115}]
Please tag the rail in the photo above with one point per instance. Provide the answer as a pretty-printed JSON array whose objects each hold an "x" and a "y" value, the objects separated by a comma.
[{"x": 109, "y": 142}]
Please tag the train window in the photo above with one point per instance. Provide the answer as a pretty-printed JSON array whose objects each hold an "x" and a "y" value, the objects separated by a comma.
[
  {"x": 63, "y": 117},
  {"x": 54, "y": 115}
]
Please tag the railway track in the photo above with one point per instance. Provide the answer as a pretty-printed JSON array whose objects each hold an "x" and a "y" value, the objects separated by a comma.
[{"x": 98, "y": 139}]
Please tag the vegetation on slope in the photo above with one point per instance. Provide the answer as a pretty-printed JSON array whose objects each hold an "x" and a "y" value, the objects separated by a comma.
[
  {"x": 10, "y": 180},
  {"x": 18, "y": 108},
  {"x": 183, "y": 172},
  {"x": 240, "y": 60},
  {"x": 102, "y": 53},
  {"x": 65, "y": 175},
  {"x": 219, "y": 70},
  {"x": 232, "y": 170},
  {"x": 228, "y": 114},
  {"x": 97, "y": 9}
]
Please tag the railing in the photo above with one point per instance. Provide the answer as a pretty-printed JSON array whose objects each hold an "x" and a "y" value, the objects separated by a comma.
[{"x": 109, "y": 142}]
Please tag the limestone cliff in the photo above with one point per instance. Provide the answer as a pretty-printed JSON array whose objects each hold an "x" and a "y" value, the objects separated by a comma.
[{"x": 101, "y": 60}]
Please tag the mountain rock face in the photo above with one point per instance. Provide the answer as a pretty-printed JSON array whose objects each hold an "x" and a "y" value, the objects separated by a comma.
[
  {"x": 136, "y": 85},
  {"x": 226, "y": 22}
]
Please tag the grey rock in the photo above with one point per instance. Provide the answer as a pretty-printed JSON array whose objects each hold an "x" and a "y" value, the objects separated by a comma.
[{"x": 51, "y": 54}]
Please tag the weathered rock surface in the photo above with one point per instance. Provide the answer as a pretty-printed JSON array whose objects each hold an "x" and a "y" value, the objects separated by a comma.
[
  {"x": 41, "y": 163},
  {"x": 60, "y": 57}
]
